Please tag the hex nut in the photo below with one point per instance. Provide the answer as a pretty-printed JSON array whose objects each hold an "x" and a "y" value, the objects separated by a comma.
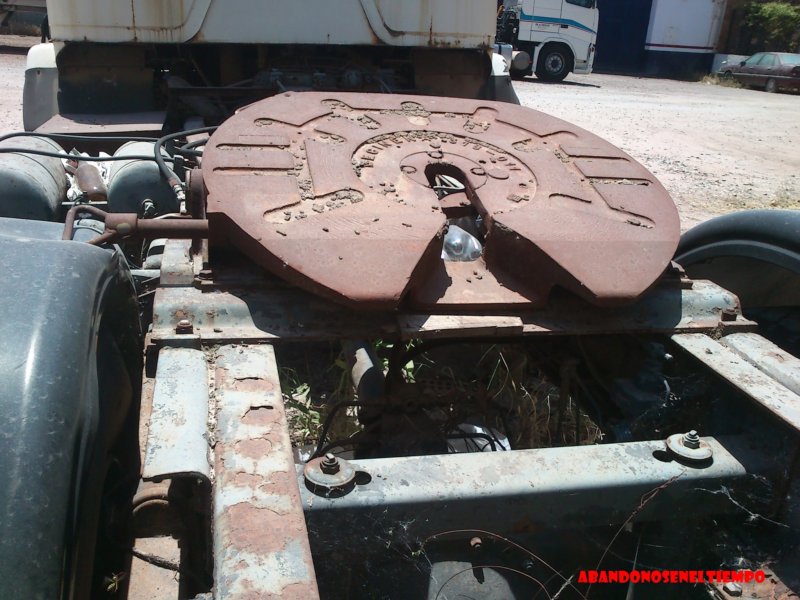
[
  {"x": 329, "y": 476},
  {"x": 691, "y": 440},
  {"x": 329, "y": 464},
  {"x": 689, "y": 447}
]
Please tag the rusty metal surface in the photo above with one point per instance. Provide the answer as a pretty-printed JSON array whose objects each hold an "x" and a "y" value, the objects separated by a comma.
[
  {"x": 261, "y": 545},
  {"x": 150, "y": 582},
  {"x": 767, "y": 357},
  {"x": 177, "y": 264},
  {"x": 235, "y": 310},
  {"x": 146, "y": 123},
  {"x": 124, "y": 225},
  {"x": 332, "y": 192},
  {"x": 756, "y": 384},
  {"x": 407, "y": 499},
  {"x": 177, "y": 442}
]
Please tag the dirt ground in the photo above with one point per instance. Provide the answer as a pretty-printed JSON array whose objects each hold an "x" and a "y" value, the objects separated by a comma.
[
  {"x": 13, "y": 49},
  {"x": 716, "y": 149}
]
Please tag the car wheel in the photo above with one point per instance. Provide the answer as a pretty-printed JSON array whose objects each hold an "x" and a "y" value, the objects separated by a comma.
[
  {"x": 727, "y": 75},
  {"x": 771, "y": 87},
  {"x": 555, "y": 63}
]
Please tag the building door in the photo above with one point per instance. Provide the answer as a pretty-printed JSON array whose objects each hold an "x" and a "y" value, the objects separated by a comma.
[{"x": 621, "y": 35}]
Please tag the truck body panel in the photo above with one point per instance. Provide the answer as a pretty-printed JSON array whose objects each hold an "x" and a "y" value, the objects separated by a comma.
[{"x": 451, "y": 23}]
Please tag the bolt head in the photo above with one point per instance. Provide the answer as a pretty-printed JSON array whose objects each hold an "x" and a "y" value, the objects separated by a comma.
[
  {"x": 476, "y": 543},
  {"x": 528, "y": 565},
  {"x": 184, "y": 326},
  {"x": 330, "y": 464}
]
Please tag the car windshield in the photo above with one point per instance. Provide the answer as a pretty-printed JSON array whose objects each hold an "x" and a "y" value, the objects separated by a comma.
[{"x": 790, "y": 59}]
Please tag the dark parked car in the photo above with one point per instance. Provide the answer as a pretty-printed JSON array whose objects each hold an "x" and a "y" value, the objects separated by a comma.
[{"x": 771, "y": 70}]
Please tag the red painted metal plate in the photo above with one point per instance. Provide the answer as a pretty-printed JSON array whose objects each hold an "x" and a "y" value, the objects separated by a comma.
[{"x": 332, "y": 191}]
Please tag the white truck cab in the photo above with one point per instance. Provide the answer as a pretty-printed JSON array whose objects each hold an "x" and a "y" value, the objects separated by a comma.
[
  {"x": 557, "y": 37},
  {"x": 171, "y": 60}
]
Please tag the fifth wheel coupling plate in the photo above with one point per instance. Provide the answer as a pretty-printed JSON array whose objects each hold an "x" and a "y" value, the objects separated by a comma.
[{"x": 334, "y": 193}]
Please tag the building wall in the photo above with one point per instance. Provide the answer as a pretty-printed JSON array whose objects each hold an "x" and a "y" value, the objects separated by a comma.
[
  {"x": 621, "y": 36},
  {"x": 662, "y": 38}
]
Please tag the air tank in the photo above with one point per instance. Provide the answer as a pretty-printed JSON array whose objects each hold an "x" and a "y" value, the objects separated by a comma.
[
  {"x": 131, "y": 182},
  {"x": 31, "y": 186}
]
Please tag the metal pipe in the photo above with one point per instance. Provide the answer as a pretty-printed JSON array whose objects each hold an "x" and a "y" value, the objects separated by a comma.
[
  {"x": 91, "y": 183},
  {"x": 365, "y": 370},
  {"x": 367, "y": 376},
  {"x": 125, "y": 225}
]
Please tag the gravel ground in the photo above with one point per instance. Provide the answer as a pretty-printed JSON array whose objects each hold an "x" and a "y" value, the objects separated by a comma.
[
  {"x": 716, "y": 149},
  {"x": 13, "y": 49}
]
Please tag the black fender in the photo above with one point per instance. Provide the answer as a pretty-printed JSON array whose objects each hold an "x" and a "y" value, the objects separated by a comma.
[
  {"x": 756, "y": 255},
  {"x": 71, "y": 366}
]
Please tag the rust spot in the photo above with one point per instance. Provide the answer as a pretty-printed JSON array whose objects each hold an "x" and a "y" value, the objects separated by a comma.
[
  {"x": 254, "y": 448},
  {"x": 250, "y": 385},
  {"x": 248, "y": 527},
  {"x": 261, "y": 416},
  {"x": 247, "y": 480}
]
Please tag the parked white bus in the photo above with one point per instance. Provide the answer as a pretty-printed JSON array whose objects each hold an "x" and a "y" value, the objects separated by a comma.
[{"x": 552, "y": 37}]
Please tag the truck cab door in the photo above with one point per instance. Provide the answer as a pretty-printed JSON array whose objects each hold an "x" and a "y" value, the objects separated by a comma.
[
  {"x": 548, "y": 9},
  {"x": 580, "y": 11},
  {"x": 544, "y": 17}
]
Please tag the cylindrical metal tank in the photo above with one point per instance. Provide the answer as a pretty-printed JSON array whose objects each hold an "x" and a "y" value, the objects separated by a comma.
[
  {"x": 521, "y": 60},
  {"x": 31, "y": 186},
  {"x": 131, "y": 182}
]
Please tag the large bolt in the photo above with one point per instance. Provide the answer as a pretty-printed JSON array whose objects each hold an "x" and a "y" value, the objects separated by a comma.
[
  {"x": 184, "y": 326},
  {"x": 329, "y": 464},
  {"x": 689, "y": 446},
  {"x": 691, "y": 440},
  {"x": 476, "y": 543}
]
